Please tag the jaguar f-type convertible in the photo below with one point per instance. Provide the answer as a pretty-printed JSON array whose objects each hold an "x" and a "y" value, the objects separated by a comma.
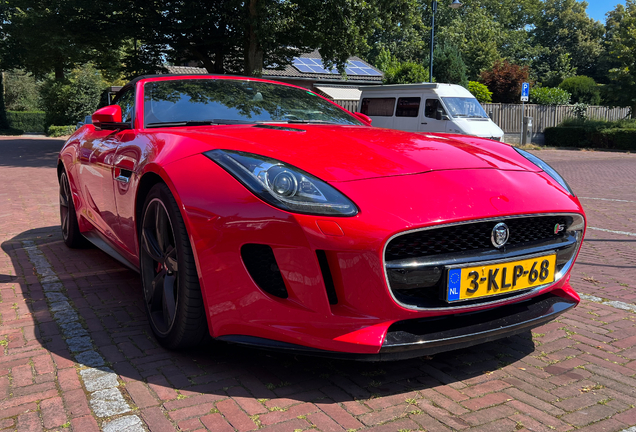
[{"x": 264, "y": 214}]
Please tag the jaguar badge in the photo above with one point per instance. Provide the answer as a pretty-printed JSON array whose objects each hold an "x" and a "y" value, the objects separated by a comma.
[{"x": 500, "y": 234}]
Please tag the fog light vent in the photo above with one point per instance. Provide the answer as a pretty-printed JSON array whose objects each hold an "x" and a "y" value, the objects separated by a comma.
[
  {"x": 326, "y": 276},
  {"x": 261, "y": 264}
]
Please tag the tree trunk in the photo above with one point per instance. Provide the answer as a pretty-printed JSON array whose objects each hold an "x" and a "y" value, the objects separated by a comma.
[
  {"x": 632, "y": 111},
  {"x": 253, "y": 49},
  {"x": 59, "y": 73}
]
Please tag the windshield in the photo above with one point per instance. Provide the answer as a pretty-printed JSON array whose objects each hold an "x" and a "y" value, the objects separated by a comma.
[
  {"x": 464, "y": 107},
  {"x": 224, "y": 101}
]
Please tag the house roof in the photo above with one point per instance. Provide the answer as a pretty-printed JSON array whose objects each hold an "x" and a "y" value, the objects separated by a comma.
[{"x": 291, "y": 72}]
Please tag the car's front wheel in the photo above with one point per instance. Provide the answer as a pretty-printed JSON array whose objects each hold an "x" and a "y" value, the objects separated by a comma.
[{"x": 171, "y": 286}]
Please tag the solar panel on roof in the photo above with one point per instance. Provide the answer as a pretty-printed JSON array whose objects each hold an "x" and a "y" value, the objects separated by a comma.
[{"x": 312, "y": 65}]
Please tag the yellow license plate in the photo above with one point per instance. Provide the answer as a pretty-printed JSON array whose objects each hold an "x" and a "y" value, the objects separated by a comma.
[{"x": 468, "y": 283}]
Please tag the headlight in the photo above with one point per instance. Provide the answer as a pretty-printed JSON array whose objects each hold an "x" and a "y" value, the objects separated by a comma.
[
  {"x": 547, "y": 168},
  {"x": 283, "y": 185}
]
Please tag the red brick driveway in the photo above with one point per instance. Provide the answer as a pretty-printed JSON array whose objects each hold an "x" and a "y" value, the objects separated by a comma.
[{"x": 577, "y": 372}]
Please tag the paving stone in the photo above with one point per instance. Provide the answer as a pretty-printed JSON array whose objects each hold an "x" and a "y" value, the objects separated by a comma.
[
  {"x": 60, "y": 306},
  {"x": 99, "y": 378},
  {"x": 73, "y": 329},
  {"x": 55, "y": 296},
  {"x": 65, "y": 316},
  {"x": 90, "y": 358},
  {"x": 130, "y": 423},
  {"x": 108, "y": 402},
  {"x": 79, "y": 343}
]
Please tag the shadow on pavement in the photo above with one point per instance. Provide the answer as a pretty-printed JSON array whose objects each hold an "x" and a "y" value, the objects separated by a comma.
[
  {"x": 31, "y": 152},
  {"x": 107, "y": 297}
]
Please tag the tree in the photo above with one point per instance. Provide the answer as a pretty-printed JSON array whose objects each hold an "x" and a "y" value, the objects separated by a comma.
[
  {"x": 621, "y": 90},
  {"x": 246, "y": 36},
  {"x": 448, "y": 66},
  {"x": 504, "y": 81},
  {"x": 561, "y": 70},
  {"x": 561, "y": 27},
  {"x": 583, "y": 90},
  {"x": 70, "y": 100},
  {"x": 42, "y": 36}
]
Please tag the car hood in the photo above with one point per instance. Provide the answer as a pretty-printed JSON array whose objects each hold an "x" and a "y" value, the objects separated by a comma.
[{"x": 348, "y": 153}]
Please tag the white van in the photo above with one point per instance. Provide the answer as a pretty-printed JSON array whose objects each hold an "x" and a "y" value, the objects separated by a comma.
[{"x": 427, "y": 107}]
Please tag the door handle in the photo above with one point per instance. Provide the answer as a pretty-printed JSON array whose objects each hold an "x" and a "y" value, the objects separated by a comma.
[
  {"x": 424, "y": 123},
  {"x": 122, "y": 175}
]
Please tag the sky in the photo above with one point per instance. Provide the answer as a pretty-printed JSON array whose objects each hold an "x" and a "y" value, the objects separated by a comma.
[{"x": 598, "y": 8}]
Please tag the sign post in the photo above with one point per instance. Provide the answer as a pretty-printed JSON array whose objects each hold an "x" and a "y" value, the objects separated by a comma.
[{"x": 525, "y": 93}]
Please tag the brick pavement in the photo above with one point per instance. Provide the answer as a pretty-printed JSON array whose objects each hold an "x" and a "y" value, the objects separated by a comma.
[{"x": 578, "y": 372}]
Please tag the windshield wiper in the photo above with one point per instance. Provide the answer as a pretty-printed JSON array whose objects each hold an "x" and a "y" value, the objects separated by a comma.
[
  {"x": 199, "y": 123},
  {"x": 309, "y": 121}
]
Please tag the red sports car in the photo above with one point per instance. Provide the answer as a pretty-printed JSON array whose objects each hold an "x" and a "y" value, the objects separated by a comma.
[{"x": 263, "y": 214}]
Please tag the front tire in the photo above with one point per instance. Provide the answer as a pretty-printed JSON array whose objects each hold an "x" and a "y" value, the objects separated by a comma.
[{"x": 171, "y": 285}]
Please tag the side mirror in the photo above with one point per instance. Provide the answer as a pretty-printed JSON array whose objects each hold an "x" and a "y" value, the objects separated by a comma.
[
  {"x": 109, "y": 117},
  {"x": 439, "y": 115},
  {"x": 363, "y": 118}
]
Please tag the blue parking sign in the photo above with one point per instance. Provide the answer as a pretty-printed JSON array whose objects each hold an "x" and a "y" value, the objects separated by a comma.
[{"x": 525, "y": 91}]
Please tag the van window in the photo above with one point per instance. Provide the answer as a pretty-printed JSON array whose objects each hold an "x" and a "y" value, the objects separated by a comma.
[
  {"x": 431, "y": 108},
  {"x": 408, "y": 107},
  {"x": 465, "y": 107},
  {"x": 378, "y": 106}
]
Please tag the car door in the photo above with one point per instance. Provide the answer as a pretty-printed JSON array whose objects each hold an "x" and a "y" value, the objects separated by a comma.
[
  {"x": 125, "y": 166},
  {"x": 407, "y": 114},
  {"x": 431, "y": 117},
  {"x": 95, "y": 178}
]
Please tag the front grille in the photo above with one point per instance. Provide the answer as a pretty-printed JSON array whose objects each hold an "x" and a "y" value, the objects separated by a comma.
[
  {"x": 473, "y": 237},
  {"x": 417, "y": 263}
]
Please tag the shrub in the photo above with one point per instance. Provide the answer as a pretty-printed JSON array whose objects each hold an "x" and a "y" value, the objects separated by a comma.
[
  {"x": 619, "y": 135},
  {"x": 583, "y": 89},
  {"x": 58, "y": 131},
  {"x": 480, "y": 91},
  {"x": 11, "y": 132},
  {"x": 406, "y": 73},
  {"x": 549, "y": 96},
  {"x": 504, "y": 81},
  {"x": 27, "y": 121},
  {"x": 22, "y": 91},
  {"x": 563, "y": 136},
  {"x": 69, "y": 101}
]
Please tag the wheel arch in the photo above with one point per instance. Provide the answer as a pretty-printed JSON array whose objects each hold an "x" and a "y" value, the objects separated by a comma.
[{"x": 147, "y": 181}]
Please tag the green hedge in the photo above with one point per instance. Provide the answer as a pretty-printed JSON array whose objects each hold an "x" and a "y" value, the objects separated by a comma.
[
  {"x": 565, "y": 136},
  {"x": 28, "y": 121},
  {"x": 577, "y": 136},
  {"x": 58, "y": 131}
]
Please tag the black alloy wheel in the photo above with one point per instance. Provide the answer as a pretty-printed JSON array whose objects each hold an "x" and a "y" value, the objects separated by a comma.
[
  {"x": 171, "y": 288},
  {"x": 71, "y": 234}
]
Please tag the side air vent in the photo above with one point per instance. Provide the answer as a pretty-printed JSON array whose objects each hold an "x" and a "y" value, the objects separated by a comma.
[
  {"x": 326, "y": 277},
  {"x": 261, "y": 264}
]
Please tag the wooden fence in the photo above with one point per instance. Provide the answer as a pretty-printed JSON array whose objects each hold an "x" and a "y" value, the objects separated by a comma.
[
  {"x": 351, "y": 105},
  {"x": 508, "y": 116}
]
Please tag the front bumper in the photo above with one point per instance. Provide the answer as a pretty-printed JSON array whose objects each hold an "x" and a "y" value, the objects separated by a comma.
[{"x": 427, "y": 336}]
